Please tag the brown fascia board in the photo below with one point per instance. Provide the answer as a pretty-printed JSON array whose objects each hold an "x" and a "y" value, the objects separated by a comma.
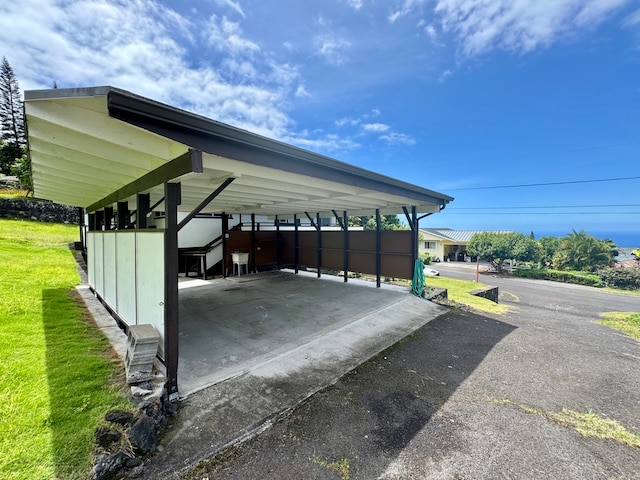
[{"x": 217, "y": 138}]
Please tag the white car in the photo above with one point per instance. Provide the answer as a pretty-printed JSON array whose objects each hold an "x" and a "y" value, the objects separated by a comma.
[{"x": 430, "y": 272}]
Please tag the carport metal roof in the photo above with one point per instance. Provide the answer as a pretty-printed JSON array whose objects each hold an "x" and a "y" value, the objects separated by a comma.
[{"x": 92, "y": 147}]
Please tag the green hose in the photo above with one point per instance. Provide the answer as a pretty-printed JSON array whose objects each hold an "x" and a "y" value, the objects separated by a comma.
[{"x": 418, "y": 285}]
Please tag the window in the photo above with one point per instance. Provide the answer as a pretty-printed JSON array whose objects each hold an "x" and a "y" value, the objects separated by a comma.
[{"x": 430, "y": 245}]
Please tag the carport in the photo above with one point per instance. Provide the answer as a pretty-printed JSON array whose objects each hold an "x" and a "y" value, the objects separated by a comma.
[{"x": 143, "y": 170}]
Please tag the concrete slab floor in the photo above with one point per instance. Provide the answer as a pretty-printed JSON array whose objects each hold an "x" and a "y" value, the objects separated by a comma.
[
  {"x": 230, "y": 326},
  {"x": 265, "y": 343}
]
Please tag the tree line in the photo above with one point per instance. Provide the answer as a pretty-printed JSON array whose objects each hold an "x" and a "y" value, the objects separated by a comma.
[
  {"x": 576, "y": 251},
  {"x": 13, "y": 138}
]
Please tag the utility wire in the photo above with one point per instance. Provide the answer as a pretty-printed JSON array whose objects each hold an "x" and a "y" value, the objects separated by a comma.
[
  {"x": 546, "y": 213},
  {"x": 546, "y": 184},
  {"x": 547, "y": 206}
]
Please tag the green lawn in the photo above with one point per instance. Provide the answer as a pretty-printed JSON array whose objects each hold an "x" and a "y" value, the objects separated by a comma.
[
  {"x": 627, "y": 322},
  {"x": 458, "y": 291},
  {"x": 55, "y": 368}
]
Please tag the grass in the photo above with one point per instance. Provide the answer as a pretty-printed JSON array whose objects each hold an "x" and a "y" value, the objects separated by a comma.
[
  {"x": 623, "y": 292},
  {"x": 458, "y": 291},
  {"x": 627, "y": 322},
  {"x": 587, "y": 424},
  {"x": 12, "y": 193},
  {"x": 341, "y": 466},
  {"x": 55, "y": 368}
]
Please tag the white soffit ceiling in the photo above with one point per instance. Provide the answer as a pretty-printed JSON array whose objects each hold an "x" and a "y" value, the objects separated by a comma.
[{"x": 80, "y": 155}]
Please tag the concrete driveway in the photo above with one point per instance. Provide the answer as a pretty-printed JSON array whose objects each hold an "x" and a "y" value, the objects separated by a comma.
[
  {"x": 255, "y": 347},
  {"x": 469, "y": 396}
]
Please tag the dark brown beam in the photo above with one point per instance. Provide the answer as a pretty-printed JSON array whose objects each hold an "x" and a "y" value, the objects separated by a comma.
[{"x": 187, "y": 163}]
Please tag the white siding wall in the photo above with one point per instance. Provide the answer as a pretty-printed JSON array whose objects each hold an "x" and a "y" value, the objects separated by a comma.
[{"x": 127, "y": 270}]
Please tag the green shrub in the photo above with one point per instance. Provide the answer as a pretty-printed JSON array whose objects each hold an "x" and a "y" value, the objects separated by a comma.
[
  {"x": 580, "y": 278},
  {"x": 426, "y": 258},
  {"x": 623, "y": 278}
]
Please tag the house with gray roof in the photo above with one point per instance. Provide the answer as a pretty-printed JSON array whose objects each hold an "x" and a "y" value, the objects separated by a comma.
[{"x": 446, "y": 244}]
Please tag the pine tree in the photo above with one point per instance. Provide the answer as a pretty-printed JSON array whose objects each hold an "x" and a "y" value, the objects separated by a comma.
[{"x": 11, "y": 112}]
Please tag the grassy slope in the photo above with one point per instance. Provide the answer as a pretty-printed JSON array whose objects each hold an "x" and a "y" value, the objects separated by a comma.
[
  {"x": 54, "y": 372},
  {"x": 458, "y": 291}
]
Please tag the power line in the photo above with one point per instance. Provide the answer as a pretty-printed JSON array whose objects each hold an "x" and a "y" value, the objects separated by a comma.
[
  {"x": 546, "y": 184},
  {"x": 548, "y": 206},
  {"x": 547, "y": 213}
]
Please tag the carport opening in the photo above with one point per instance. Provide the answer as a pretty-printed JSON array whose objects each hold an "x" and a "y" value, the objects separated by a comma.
[{"x": 231, "y": 326}]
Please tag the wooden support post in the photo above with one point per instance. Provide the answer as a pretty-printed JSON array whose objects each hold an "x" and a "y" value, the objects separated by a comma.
[
  {"x": 92, "y": 222},
  {"x": 296, "y": 243},
  {"x": 414, "y": 237},
  {"x": 123, "y": 215},
  {"x": 108, "y": 217},
  {"x": 142, "y": 208},
  {"x": 319, "y": 246},
  {"x": 99, "y": 219},
  {"x": 345, "y": 223},
  {"x": 277, "y": 242},
  {"x": 378, "y": 246},
  {"x": 225, "y": 232},
  {"x": 171, "y": 301},
  {"x": 253, "y": 244}
]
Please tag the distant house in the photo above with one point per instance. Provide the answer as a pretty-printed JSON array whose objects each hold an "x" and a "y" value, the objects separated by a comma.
[{"x": 445, "y": 244}]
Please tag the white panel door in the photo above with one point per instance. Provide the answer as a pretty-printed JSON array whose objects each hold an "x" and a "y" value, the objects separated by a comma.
[
  {"x": 150, "y": 280},
  {"x": 126, "y": 276}
]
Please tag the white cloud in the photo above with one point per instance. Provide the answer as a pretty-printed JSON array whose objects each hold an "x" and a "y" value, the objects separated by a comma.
[
  {"x": 347, "y": 121},
  {"x": 355, "y": 4},
  {"x": 375, "y": 127},
  {"x": 227, "y": 36},
  {"x": 519, "y": 26},
  {"x": 235, "y": 6},
  {"x": 398, "y": 138},
  {"x": 301, "y": 92},
  {"x": 633, "y": 19},
  {"x": 406, "y": 7},
  {"x": 149, "y": 49},
  {"x": 332, "y": 48}
]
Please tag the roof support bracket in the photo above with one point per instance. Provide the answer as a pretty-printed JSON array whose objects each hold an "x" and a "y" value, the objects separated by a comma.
[
  {"x": 313, "y": 224},
  {"x": 205, "y": 202},
  {"x": 343, "y": 226}
]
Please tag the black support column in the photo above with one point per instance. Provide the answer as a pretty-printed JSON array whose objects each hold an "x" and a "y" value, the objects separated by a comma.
[
  {"x": 378, "y": 246},
  {"x": 171, "y": 313},
  {"x": 225, "y": 232},
  {"x": 319, "y": 233},
  {"x": 296, "y": 243},
  {"x": 345, "y": 226},
  {"x": 108, "y": 217},
  {"x": 143, "y": 201},
  {"x": 123, "y": 215}
]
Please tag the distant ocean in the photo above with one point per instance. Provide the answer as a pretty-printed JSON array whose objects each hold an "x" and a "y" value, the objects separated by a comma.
[{"x": 621, "y": 239}]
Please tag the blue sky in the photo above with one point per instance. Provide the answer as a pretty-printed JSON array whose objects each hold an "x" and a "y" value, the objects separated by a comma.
[{"x": 452, "y": 95}]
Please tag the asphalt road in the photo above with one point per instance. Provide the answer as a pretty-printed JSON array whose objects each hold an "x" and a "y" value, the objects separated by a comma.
[{"x": 469, "y": 396}]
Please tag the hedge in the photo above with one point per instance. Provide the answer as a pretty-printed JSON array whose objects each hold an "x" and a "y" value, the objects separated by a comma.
[
  {"x": 580, "y": 278},
  {"x": 623, "y": 278}
]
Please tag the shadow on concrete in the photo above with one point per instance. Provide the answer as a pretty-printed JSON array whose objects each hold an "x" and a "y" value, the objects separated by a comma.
[{"x": 371, "y": 414}]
